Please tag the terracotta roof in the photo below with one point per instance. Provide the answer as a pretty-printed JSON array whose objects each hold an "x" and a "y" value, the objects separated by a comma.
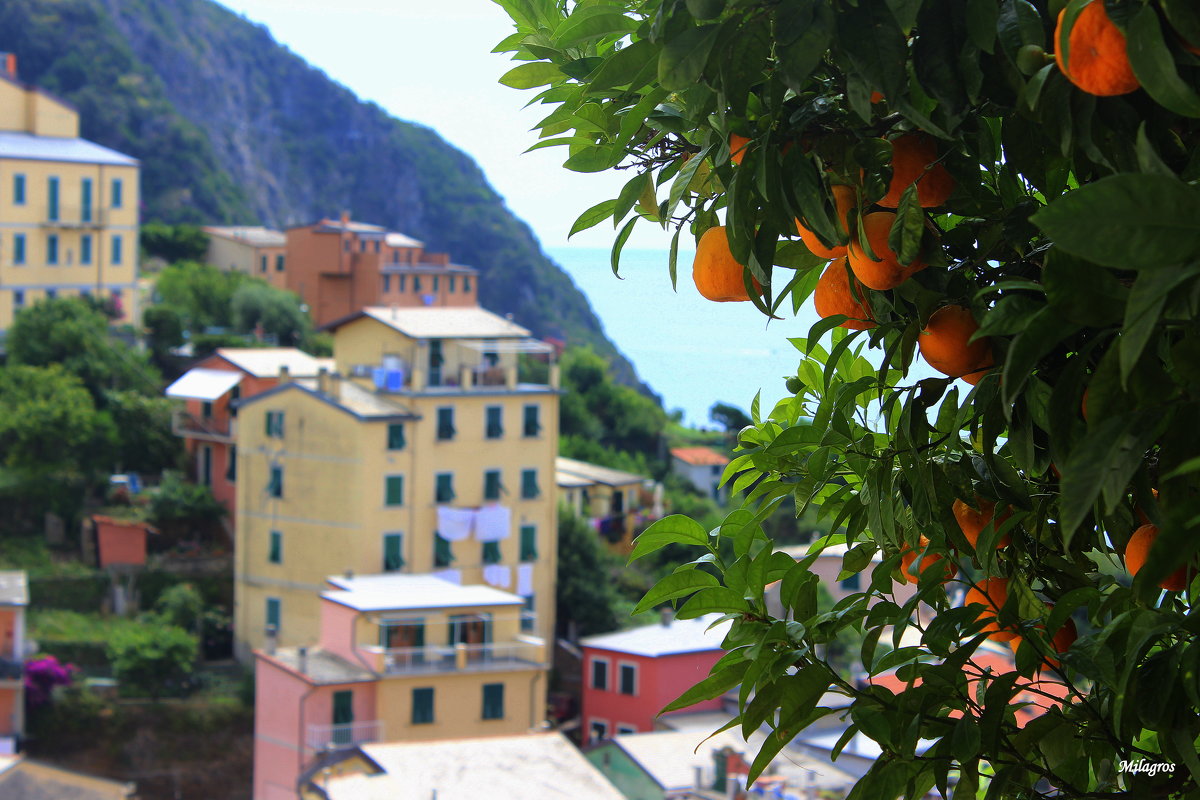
[{"x": 699, "y": 456}]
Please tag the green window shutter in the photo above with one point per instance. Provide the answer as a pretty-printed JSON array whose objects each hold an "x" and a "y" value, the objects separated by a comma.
[
  {"x": 529, "y": 485},
  {"x": 273, "y": 613},
  {"x": 422, "y": 706},
  {"x": 443, "y": 553},
  {"x": 393, "y": 546},
  {"x": 445, "y": 424},
  {"x": 445, "y": 487},
  {"x": 395, "y": 436},
  {"x": 527, "y": 615},
  {"x": 491, "y": 552},
  {"x": 532, "y": 426},
  {"x": 394, "y": 490},
  {"x": 275, "y": 485},
  {"x": 491, "y": 484},
  {"x": 529, "y": 543},
  {"x": 495, "y": 422},
  {"x": 493, "y": 701},
  {"x": 270, "y": 423},
  {"x": 231, "y": 466},
  {"x": 275, "y": 556}
]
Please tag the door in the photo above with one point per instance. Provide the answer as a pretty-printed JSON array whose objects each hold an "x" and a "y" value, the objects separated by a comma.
[
  {"x": 343, "y": 718},
  {"x": 435, "y": 362}
]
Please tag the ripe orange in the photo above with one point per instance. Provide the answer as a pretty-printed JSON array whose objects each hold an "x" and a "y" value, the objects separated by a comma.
[
  {"x": 912, "y": 155},
  {"x": 944, "y": 344},
  {"x": 737, "y": 147},
  {"x": 1083, "y": 405},
  {"x": 843, "y": 201},
  {"x": 717, "y": 275},
  {"x": 973, "y": 522},
  {"x": 922, "y": 559},
  {"x": 1138, "y": 550},
  {"x": 876, "y": 97},
  {"x": 887, "y": 272},
  {"x": 1059, "y": 643},
  {"x": 992, "y": 593},
  {"x": 1096, "y": 60},
  {"x": 835, "y": 295}
]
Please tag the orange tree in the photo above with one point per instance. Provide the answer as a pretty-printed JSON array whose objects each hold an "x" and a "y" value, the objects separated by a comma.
[{"x": 1023, "y": 215}]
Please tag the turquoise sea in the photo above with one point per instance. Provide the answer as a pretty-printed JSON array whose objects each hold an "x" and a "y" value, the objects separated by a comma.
[{"x": 691, "y": 351}]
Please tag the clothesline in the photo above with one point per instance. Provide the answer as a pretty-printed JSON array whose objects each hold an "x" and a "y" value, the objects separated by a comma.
[{"x": 490, "y": 523}]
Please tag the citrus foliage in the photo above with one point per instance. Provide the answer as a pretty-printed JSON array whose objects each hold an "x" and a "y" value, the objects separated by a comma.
[{"x": 1066, "y": 226}]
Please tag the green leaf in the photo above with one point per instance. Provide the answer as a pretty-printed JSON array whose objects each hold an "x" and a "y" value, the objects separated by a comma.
[
  {"x": 619, "y": 244},
  {"x": 595, "y": 158},
  {"x": 875, "y": 46},
  {"x": 629, "y": 195},
  {"x": 1127, "y": 221},
  {"x": 705, "y": 9},
  {"x": 1184, "y": 17},
  {"x": 592, "y": 22},
  {"x": 714, "y": 685},
  {"x": 592, "y": 217},
  {"x": 677, "y": 584},
  {"x": 904, "y": 238},
  {"x": 624, "y": 66},
  {"x": 685, "y": 56},
  {"x": 1042, "y": 332},
  {"x": 982, "y": 19},
  {"x": 675, "y": 529},
  {"x": 1146, "y": 302},
  {"x": 527, "y": 76},
  {"x": 1154, "y": 64},
  {"x": 718, "y": 600}
]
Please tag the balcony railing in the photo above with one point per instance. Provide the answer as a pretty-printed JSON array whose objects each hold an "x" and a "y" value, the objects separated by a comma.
[
  {"x": 190, "y": 426},
  {"x": 462, "y": 657},
  {"x": 333, "y": 737},
  {"x": 73, "y": 217}
]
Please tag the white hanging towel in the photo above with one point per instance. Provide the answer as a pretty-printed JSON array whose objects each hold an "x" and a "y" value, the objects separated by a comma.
[
  {"x": 525, "y": 580},
  {"x": 493, "y": 523},
  {"x": 452, "y": 575},
  {"x": 497, "y": 575},
  {"x": 454, "y": 524}
]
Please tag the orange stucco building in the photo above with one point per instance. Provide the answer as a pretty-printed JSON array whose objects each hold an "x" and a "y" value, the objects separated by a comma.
[{"x": 339, "y": 267}]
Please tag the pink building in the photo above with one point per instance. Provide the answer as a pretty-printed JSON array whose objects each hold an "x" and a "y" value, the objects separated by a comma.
[
  {"x": 120, "y": 541},
  {"x": 14, "y": 596},
  {"x": 207, "y": 422},
  {"x": 628, "y": 676},
  {"x": 401, "y": 658}
]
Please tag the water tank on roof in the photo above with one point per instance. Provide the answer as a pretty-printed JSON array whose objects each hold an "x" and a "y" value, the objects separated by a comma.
[
  {"x": 395, "y": 380},
  {"x": 379, "y": 376}
]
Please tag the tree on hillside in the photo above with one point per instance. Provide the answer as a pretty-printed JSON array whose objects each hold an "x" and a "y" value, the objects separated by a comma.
[
  {"x": 959, "y": 204},
  {"x": 48, "y": 422},
  {"x": 145, "y": 442},
  {"x": 174, "y": 243},
  {"x": 610, "y": 415},
  {"x": 729, "y": 417},
  {"x": 585, "y": 592},
  {"x": 200, "y": 293},
  {"x": 256, "y": 305}
]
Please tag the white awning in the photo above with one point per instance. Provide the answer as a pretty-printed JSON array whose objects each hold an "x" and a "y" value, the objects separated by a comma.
[
  {"x": 508, "y": 346},
  {"x": 204, "y": 384}
]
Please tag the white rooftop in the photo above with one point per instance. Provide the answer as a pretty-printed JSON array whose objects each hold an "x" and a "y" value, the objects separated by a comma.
[
  {"x": 468, "y": 322},
  {"x": 680, "y": 636},
  {"x": 14, "y": 144},
  {"x": 394, "y": 239},
  {"x": 544, "y": 766},
  {"x": 402, "y": 592},
  {"x": 265, "y": 362},
  {"x": 254, "y": 235},
  {"x": 565, "y": 480},
  {"x": 204, "y": 384},
  {"x": 594, "y": 473},
  {"x": 14, "y": 589}
]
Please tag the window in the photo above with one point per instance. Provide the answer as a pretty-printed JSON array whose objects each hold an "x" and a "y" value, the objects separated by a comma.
[
  {"x": 532, "y": 426},
  {"x": 85, "y": 200},
  {"x": 416, "y": 283},
  {"x": 450, "y": 287},
  {"x": 387, "y": 283},
  {"x": 466, "y": 284},
  {"x": 275, "y": 552},
  {"x": 52, "y": 199},
  {"x": 279, "y": 262},
  {"x": 51, "y": 294},
  {"x": 435, "y": 284},
  {"x": 444, "y": 492},
  {"x": 403, "y": 284},
  {"x": 118, "y": 194},
  {"x": 231, "y": 464},
  {"x": 275, "y": 424},
  {"x": 851, "y": 584},
  {"x": 206, "y": 465},
  {"x": 600, "y": 674},
  {"x": 275, "y": 484},
  {"x": 52, "y": 249},
  {"x": 623, "y": 728},
  {"x": 529, "y": 485},
  {"x": 495, "y": 422},
  {"x": 116, "y": 250},
  {"x": 85, "y": 249},
  {"x": 716, "y": 469},
  {"x": 491, "y": 484},
  {"x": 629, "y": 679},
  {"x": 493, "y": 701},
  {"x": 18, "y": 190},
  {"x": 343, "y": 718},
  {"x": 422, "y": 706},
  {"x": 262, "y": 263},
  {"x": 18, "y": 296},
  {"x": 491, "y": 553},
  {"x": 273, "y": 612},
  {"x": 597, "y": 730},
  {"x": 529, "y": 543},
  {"x": 443, "y": 553},
  {"x": 393, "y": 490},
  {"x": 445, "y": 423},
  {"x": 19, "y": 248},
  {"x": 393, "y": 552},
  {"x": 395, "y": 436},
  {"x": 528, "y": 615},
  {"x": 206, "y": 409}
]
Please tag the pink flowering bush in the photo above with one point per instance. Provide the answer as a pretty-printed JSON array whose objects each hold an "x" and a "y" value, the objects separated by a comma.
[{"x": 42, "y": 675}]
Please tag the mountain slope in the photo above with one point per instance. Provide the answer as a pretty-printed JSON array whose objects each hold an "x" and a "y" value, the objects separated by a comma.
[{"x": 234, "y": 128}]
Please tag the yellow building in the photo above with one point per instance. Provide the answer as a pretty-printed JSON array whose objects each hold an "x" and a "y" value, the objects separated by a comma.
[
  {"x": 68, "y": 207},
  {"x": 616, "y": 504},
  {"x": 257, "y": 251},
  {"x": 428, "y": 451}
]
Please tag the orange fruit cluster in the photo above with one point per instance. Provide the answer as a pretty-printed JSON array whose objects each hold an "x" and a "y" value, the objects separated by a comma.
[
  {"x": 836, "y": 295},
  {"x": 1096, "y": 60},
  {"x": 717, "y": 274},
  {"x": 915, "y": 160},
  {"x": 973, "y": 522},
  {"x": 1138, "y": 550},
  {"x": 914, "y": 562},
  {"x": 946, "y": 344}
]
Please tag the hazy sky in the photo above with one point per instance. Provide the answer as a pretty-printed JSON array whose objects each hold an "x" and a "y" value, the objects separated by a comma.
[{"x": 430, "y": 61}]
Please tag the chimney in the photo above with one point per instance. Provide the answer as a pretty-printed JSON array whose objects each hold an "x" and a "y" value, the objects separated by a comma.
[
  {"x": 349, "y": 573},
  {"x": 285, "y": 375},
  {"x": 666, "y": 615},
  {"x": 272, "y": 640},
  {"x": 345, "y": 218},
  {"x": 324, "y": 384},
  {"x": 9, "y": 61},
  {"x": 302, "y": 660}
]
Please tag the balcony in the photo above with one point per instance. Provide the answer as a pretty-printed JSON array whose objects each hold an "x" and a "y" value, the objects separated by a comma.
[
  {"x": 351, "y": 734},
  {"x": 73, "y": 217},
  {"x": 528, "y": 652},
  {"x": 209, "y": 429}
]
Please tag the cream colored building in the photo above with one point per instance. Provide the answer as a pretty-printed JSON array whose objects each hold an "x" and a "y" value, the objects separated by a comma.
[
  {"x": 257, "y": 251},
  {"x": 425, "y": 452},
  {"x": 68, "y": 206}
]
